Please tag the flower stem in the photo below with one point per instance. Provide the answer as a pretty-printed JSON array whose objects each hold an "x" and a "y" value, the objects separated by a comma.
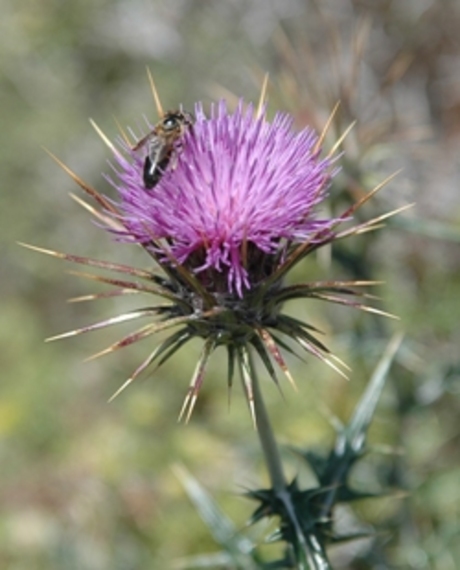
[
  {"x": 266, "y": 436},
  {"x": 309, "y": 551}
]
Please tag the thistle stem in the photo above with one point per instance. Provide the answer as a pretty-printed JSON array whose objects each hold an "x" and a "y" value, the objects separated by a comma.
[
  {"x": 266, "y": 436},
  {"x": 310, "y": 554}
]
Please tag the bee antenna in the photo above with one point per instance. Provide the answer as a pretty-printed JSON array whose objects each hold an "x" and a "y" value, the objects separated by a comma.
[{"x": 156, "y": 97}]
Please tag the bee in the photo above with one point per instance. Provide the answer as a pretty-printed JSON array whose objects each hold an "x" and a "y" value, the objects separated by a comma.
[{"x": 163, "y": 141}]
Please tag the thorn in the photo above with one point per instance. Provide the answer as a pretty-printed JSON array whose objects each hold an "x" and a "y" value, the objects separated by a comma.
[
  {"x": 340, "y": 361},
  {"x": 196, "y": 382},
  {"x": 341, "y": 139},
  {"x": 105, "y": 219},
  {"x": 120, "y": 390},
  {"x": 68, "y": 334},
  {"x": 97, "y": 296},
  {"x": 252, "y": 411},
  {"x": 289, "y": 376},
  {"x": 313, "y": 350},
  {"x": 379, "y": 312},
  {"x": 320, "y": 141},
  {"x": 184, "y": 405},
  {"x": 352, "y": 209},
  {"x": 88, "y": 189},
  {"x": 263, "y": 94},
  {"x": 156, "y": 97},
  {"x": 336, "y": 368},
  {"x": 105, "y": 139},
  {"x": 123, "y": 133},
  {"x": 273, "y": 349},
  {"x": 379, "y": 186},
  {"x": 107, "y": 350},
  {"x": 374, "y": 223},
  {"x": 43, "y": 250},
  {"x": 191, "y": 407}
]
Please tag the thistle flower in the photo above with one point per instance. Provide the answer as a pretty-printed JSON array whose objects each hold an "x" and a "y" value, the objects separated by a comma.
[
  {"x": 242, "y": 187},
  {"x": 237, "y": 210}
]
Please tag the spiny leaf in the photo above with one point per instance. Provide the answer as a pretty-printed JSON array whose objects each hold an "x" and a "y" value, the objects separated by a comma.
[
  {"x": 357, "y": 427},
  {"x": 238, "y": 547}
]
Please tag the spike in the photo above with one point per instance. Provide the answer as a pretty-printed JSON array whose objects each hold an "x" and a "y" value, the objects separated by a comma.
[
  {"x": 263, "y": 94},
  {"x": 373, "y": 224},
  {"x": 196, "y": 382},
  {"x": 143, "y": 332},
  {"x": 106, "y": 220},
  {"x": 320, "y": 141},
  {"x": 106, "y": 295},
  {"x": 369, "y": 195},
  {"x": 91, "y": 191},
  {"x": 123, "y": 133},
  {"x": 275, "y": 352},
  {"x": 313, "y": 350},
  {"x": 135, "y": 374},
  {"x": 105, "y": 139},
  {"x": 43, "y": 250},
  {"x": 340, "y": 361},
  {"x": 125, "y": 285},
  {"x": 185, "y": 405},
  {"x": 341, "y": 139},
  {"x": 155, "y": 94},
  {"x": 247, "y": 384},
  {"x": 91, "y": 262},
  {"x": 102, "y": 324},
  {"x": 120, "y": 390}
]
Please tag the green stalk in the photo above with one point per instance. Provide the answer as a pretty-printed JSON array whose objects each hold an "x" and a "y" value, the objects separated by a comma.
[
  {"x": 266, "y": 435},
  {"x": 309, "y": 553}
]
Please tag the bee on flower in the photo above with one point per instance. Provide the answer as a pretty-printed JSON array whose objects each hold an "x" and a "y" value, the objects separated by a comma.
[{"x": 237, "y": 210}]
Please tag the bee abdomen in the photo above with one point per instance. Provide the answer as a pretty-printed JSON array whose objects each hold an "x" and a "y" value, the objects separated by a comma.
[{"x": 153, "y": 172}]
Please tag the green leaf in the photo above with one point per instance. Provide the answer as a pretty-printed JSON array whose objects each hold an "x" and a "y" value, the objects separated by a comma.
[
  {"x": 355, "y": 431},
  {"x": 236, "y": 546}
]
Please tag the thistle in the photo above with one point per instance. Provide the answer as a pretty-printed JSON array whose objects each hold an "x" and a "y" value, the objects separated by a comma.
[{"x": 225, "y": 224}]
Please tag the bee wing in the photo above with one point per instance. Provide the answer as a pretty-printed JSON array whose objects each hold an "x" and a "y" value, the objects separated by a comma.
[
  {"x": 157, "y": 150},
  {"x": 143, "y": 141}
]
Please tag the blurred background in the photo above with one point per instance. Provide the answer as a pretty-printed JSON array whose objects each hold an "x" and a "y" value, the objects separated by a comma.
[{"x": 89, "y": 485}]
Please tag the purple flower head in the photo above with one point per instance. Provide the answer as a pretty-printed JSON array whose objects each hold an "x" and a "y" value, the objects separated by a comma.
[
  {"x": 232, "y": 210},
  {"x": 238, "y": 187}
]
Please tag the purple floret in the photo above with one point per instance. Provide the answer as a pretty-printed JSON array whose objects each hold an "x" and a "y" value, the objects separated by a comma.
[{"x": 237, "y": 178}]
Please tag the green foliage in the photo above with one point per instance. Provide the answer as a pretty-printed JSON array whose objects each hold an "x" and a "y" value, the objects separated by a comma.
[{"x": 306, "y": 516}]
